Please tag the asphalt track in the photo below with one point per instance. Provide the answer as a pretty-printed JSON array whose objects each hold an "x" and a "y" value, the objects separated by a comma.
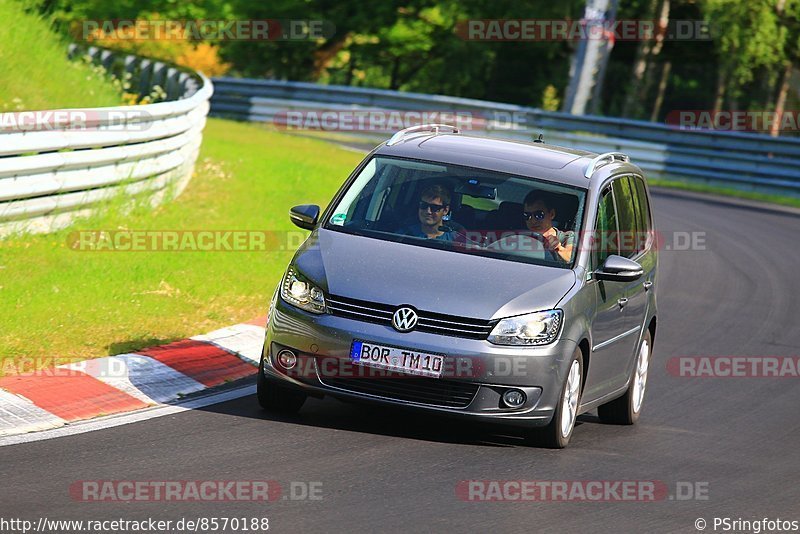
[{"x": 388, "y": 471}]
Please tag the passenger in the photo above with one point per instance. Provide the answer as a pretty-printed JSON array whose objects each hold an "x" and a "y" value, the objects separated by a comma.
[
  {"x": 434, "y": 205},
  {"x": 539, "y": 214}
]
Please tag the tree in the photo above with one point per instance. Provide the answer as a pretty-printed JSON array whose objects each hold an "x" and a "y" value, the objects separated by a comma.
[
  {"x": 749, "y": 35},
  {"x": 789, "y": 14}
]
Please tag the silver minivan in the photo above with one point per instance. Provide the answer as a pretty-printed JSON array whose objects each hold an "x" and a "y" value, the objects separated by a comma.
[{"x": 491, "y": 279}]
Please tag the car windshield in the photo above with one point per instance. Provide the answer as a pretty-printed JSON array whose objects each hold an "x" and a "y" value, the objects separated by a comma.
[{"x": 462, "y": 209}]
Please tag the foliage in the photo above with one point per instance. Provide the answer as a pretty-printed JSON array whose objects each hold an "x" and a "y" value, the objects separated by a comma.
[
  {"x": 414, "y": 45},
  {"x": 205, "y": 58},
  {"x": 36, "y": 73},
  {"x": 749, "y": 36},
  {"x": 200, "y": 56}
]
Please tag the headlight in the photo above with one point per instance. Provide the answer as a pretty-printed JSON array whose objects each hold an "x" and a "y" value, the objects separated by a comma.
[
  {"x": 299, "y": 292},
  {"x": 538, "y": 328}
]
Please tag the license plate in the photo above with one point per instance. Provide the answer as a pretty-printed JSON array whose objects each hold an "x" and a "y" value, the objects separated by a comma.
[{"x": 397, "y": 359}]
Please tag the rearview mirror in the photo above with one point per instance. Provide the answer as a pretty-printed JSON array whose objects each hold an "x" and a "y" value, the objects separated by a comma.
[
  {"x": 619, "y": 269},
  {"x": 305, "y": 216}
]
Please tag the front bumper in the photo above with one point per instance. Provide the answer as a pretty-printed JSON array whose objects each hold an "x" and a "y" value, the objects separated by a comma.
[{"x": 473, "y": 368}]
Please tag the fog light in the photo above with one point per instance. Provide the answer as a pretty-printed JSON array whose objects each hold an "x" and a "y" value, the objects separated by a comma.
[
  {"x": 287, "y": 359},
  {"x": 514, "y": 398}
]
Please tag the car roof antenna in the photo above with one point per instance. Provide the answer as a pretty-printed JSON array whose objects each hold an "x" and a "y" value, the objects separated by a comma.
[{"x": 539, "y": 139}]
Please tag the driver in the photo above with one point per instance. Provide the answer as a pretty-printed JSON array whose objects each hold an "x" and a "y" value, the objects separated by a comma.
[
  {"x": 434, "y": 205},
  {"x": 539, "y": 213}
]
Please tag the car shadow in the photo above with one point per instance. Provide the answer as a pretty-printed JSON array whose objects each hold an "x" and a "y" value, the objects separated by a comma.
[
  {"x": 369, "y": 418},
  {"x": 139, "y": 343}
]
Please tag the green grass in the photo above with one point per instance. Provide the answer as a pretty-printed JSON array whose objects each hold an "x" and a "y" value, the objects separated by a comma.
[
  {"x": 36, "y": 73},
  {"x": 727, "y": 191},
  {"x": 58, "y": 302}
]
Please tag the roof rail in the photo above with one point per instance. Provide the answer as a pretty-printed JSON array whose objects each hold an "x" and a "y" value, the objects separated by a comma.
[
  {"x": 399, "y": 136},
  {"x": 605, "y": 159}
]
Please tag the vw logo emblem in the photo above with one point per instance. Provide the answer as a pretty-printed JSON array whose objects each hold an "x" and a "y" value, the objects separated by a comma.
[{"x": 404, "y": 319}]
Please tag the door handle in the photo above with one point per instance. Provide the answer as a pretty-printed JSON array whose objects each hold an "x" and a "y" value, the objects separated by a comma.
[
  {"x": 622, "y": 302},
  {"x": 647, "y": 285}
]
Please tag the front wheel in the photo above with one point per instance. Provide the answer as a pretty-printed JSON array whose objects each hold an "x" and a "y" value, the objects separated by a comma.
[
  {"x": 626, "y": 409},
  {"x": 275, "y": 398},
  {"x": 557, "y": 434}
]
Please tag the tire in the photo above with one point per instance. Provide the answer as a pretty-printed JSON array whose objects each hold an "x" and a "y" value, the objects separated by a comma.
[
  {"x": 557, "y": 433},
  {"x": 626, "y": 409},
  {"x": 277, "y": 399}
]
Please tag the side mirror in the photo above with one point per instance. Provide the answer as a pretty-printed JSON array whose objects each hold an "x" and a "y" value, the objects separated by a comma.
[
  {"x": 619, "y": 269},
  {"x": 305, "y": 216}
]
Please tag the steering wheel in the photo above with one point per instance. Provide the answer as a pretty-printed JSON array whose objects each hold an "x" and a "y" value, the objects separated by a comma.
[{"x": 530, "y": 243}]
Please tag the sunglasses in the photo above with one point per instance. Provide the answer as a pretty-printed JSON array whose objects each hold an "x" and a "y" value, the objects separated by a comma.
[
  {"x": 538, "y": 215},
  {"x": 435, "y": 208}
]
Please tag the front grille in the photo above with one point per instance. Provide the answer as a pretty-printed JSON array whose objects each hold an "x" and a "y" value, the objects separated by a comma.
[
  {"x": 435, "y": 323},
  {"x": 431, "y": 391}
]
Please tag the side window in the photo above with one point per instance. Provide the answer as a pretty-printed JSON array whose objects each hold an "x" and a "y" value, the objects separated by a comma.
[
  {"x": 605, "y": 242},
  {"x": 624, "y": 198},
  {"x": 644, "y": 221}
]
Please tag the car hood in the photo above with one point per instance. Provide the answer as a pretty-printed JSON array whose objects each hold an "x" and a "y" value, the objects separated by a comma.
[{"x": 428, "y": 279}]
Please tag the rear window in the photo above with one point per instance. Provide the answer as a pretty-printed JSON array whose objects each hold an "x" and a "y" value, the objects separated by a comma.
[{"x": 461, "y": 209}]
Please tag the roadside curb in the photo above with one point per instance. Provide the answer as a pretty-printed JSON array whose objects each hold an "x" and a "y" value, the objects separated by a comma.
[{"x": 165, "y": 374}]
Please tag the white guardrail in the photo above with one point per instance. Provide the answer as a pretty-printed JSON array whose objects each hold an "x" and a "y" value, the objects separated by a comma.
[{"x": 53, "y": 168}]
